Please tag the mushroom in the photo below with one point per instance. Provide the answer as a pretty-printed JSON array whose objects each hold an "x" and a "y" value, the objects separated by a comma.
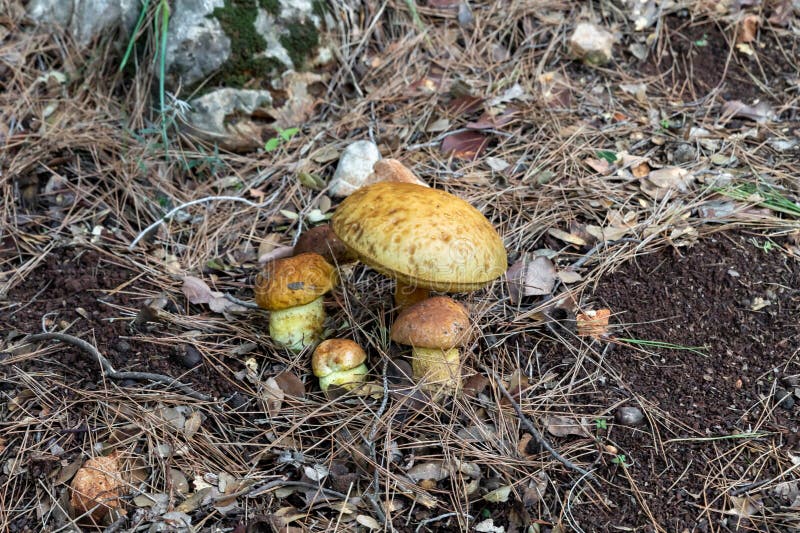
[
  {"x": 434, "y": 328},
  {"x": 291, "y": 288},
  {"x": 323, "y": 241},
  {"x": 96, "y": 487},
  {"x": 424, "y": 238},
  {"x": 339, "y": 362}
]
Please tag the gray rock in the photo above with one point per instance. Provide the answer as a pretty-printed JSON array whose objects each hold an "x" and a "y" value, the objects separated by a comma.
[
  {"x": 196, "y": 42},
  {"x": 684, "y": 153},
  {"x": 221, "y": 116},
  {"x": 591, "y": 43},
  {"x": 630, "y": 416},
  {"x": 85, "y": 19},
  {"x": 784, "y": 398},
  {"x": 199, "y": 43},
  {"x": 355, "y": 166}
]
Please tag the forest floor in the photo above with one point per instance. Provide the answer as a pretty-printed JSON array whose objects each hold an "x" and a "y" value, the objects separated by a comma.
[{"x": 660, "y": 190}]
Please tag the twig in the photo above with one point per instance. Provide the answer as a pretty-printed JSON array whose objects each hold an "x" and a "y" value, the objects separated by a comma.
[
  {"x": 174, "y": 210},
  {"x": 599, "y": 246},
  {"x": 371, "y": 444},
  {"x": 436, "y": 519},
  {"x": 243, "y": 303},
  {"x": 276, "y": 483},
  {"x": 535, "y": 432},
  {"x": 109, "y": 369}
]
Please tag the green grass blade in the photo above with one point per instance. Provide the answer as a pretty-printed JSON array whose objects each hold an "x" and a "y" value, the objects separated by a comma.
[
  {"x": 132, "y": 40},
  {"x": 699, "y": 350}
]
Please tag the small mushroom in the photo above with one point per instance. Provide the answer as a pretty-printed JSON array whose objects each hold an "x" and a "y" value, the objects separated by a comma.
[
  {"x": 292, "y": 289},
  {"x": 434, "y": 328},
  {"x": 424, "y": 238},
  {"x": 323, "y": 241},
  {"x": 96, "y": 487},
  {"x": 339, "y": 362}
]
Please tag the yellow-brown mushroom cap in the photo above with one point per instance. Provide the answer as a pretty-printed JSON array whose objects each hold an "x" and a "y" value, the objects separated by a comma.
[
  {"x": 438, "y": 322},
  {"x": 336, "y": 355},
  {"x": 293, "y": 281},
  {"x": 420, "y": 236}
]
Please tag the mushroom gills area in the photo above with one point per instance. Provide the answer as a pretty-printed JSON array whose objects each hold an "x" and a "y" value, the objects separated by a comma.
[
  {"x": 298, "y": 327},
  {"x": 436, "y": 368}
]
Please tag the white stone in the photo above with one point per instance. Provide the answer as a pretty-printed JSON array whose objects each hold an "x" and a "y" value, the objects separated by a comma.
[
  {"x": 591, "y": 43},
  {"x": 355, "y": 166},
  {"x": 196, "y": 42},
  {"x": 85, "y": 19}
]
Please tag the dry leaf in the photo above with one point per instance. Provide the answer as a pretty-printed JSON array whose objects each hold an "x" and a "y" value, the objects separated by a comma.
[
  {"x": 498, "y": 495},
  {"x": 427, "y": 471},
  {"x": 745, "y": 506},
  {"x": 272, "y": 395},
  {"x": 601, "y": 166},
  {"x": 593, "y": 323},
  {"x": 761, "y": 112},
  {"x": 530, "y": 278},
  {"x": 198, "y": 292},
  {"x": 569, "y": 276},
  {"x": 465, "y": 145},
  {"x": 492, "y": 122},
  {"x": 368, "y": 522},
  {"x": 567, "y": 237},
  {"x": 748, "y": 28},
  {"x": 290, "y": 384},
  {"x": 563, "y": 426}
]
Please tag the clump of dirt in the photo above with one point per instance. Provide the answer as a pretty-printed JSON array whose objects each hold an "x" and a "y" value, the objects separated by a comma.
[{"x": 735, "y": 300}]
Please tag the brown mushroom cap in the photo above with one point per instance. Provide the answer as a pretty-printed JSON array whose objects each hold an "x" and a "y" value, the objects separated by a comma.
[
  {"x": 293, "y": 281},
  {"x": 438, "y": 322},
  {"x": 420, "y": 236},
  {"x": 336, "y": 355},
  {"x": 323, "y": 241}
]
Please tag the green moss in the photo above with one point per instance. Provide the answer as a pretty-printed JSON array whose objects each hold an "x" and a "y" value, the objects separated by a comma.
[
  {"x": 301, "y": 40},
  {"x": 237, "y": 19},
  {"x": 319, "y": 8},
  {"x": 245, "y": 67},
  {"x": 273, "y": 7}
]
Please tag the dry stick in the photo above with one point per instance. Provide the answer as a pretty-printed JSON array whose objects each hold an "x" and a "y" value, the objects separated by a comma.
[
  {"x": 174, "y": 210},
  {"x": 276, "y": 483},
  {"x": 535, "y": 432},
  {"x": 109, "y": 369}
]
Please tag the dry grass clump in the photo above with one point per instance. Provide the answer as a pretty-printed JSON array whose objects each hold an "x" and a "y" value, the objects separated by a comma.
[{"x": 82, "y": 168}]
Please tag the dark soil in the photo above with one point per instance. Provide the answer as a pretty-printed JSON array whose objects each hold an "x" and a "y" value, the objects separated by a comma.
[
  {"x": 740, "y": 303},
  {"x": 84, "y": 288},
  {"x": 698, "y": 58}
]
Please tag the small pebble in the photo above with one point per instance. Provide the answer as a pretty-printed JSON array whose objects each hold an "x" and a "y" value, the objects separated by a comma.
[
  {"x": 122, "y": 346},
  {"x": 684, "y": 153},
  {"x": 630, "y": 416},
  {"x": 188, "y": 356},
  {"x": 591, "y": 43},
  {"x": 784, "y": 398},
  {"x": 355, "y": 165}
]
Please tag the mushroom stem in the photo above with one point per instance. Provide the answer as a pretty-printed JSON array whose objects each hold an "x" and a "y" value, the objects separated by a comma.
[
  {"x": 347, "y": 379},
  {"x": 298, "y": 327},
  {"x": 408, "y": 295},
  {"x": 437, "y": 367}
]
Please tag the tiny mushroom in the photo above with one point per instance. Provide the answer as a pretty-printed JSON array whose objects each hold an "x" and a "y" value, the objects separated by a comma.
[
  {"x": 97, "y": 487},
  {"x": 434, "y": 328},
  {"x": 339, "y": 362},
  {"x": 292, "y": 289},
  {"x": 425, "y": 238}
]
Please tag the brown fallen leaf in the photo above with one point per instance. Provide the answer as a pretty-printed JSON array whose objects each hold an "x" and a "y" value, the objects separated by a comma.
[
  {"x": 567, "y": 237},
  {"x": 563, "y": 426},
  {"x": 593, "y": 323},
  {"x": 492, "y": 122},
  {"x": 748, "y": 28},
  {"x": 198, "y": 292},
  {"x": 465, "y": 145},
  {"x": 530, "y": 278},
  {"x": 761, "y": 112}
]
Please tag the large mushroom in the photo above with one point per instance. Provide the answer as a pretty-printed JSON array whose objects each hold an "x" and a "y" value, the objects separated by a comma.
[
  {"x": 424, "y": 238},
  {"x": 435, "y": 329},
  {"x": 292, "y": 288}
]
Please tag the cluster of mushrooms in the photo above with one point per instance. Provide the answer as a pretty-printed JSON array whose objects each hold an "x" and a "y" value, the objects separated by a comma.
[{"x": 426, "y": 239}]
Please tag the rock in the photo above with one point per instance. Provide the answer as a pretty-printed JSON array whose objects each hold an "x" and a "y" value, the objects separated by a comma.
[
  {"x": 629, "y": 416},
  {"x": 355, "y": 166},
  {"x": 86, "y": 19},
  {"x": 188, "y": 356},
  {"x": 196, "y": 43},
  {"x": 591, "y": 43},
  {"x": 252, "y": 38},
  {"x": 212, "y": 117},
  {"x": 783, "y": 398},
  {"x": 684, "y": 153}
]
